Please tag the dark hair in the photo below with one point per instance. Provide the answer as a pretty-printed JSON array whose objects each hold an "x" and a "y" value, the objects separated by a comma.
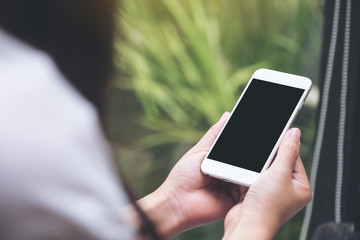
[{"x": 78, "y": 35}]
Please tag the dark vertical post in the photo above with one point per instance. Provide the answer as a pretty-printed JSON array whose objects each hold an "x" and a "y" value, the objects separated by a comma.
[{"x": 325, "y": 189}]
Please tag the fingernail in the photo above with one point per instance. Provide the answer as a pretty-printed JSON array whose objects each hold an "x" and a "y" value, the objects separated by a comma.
[
  {"x": 223, "y": 116},
  {"x": 295, "y": 134}
]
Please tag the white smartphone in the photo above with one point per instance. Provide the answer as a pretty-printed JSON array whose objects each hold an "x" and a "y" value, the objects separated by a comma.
[{"x": 249, "y": 140}]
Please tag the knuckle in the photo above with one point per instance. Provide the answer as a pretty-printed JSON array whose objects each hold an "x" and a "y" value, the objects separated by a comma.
[
  {"x": 308, "y": 193},
  {"x": 311, "y": 196},
  {"x": 293, "y": 148}
]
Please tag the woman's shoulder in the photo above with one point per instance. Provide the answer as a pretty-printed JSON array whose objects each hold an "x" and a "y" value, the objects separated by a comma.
[
  {"x": 35, "y": 98},
  {"x": 43, "y": 117},
  {"x": 45, "y": 123},
  {"x": 53, "y": 154}
]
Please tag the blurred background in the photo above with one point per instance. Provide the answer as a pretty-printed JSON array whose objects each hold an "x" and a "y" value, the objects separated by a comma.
[{"x": 182, "y": 63}]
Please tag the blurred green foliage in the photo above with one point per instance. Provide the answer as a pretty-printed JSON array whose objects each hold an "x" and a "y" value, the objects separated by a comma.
[{"x": 187, "y": 62}]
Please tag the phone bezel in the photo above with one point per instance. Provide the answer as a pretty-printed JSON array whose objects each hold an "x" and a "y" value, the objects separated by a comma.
[{"x": 244, "y": 176}]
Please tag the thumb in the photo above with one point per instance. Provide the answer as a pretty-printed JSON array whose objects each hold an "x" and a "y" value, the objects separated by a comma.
[
  {"x": 288, "y": 151},
  {"x": 208, "y": 139}
]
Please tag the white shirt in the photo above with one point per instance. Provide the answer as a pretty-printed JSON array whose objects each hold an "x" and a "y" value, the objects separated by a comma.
[{"x": 57, "y": 180}]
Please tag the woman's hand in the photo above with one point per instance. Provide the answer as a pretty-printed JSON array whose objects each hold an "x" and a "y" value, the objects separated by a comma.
[
  {"x": 278, "y": 194},
  {"x": 190, "y": 197}
]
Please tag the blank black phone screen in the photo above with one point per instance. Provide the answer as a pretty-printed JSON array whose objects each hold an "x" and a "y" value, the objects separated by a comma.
[{"x": 256, "y": 124}]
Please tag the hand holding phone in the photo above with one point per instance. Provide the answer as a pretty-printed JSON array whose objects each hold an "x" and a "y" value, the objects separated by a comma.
[
  {"x": 249, "y": 140},
  {"x": 274, "y": 198}
]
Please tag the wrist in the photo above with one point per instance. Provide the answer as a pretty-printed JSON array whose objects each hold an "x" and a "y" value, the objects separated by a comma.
[
  {"x": 249, "y": 230},
  {"x": 247, "y": 225},
  {"x": 164, "y": 213}
]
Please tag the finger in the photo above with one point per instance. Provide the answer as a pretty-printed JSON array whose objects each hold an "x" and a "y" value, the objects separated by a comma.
[
  {"x": 299, "y": 172},
  {"x": 288, "y": 151},
  {"x": 299, "y": 167},
  {"x": 208, "y": 139}
]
